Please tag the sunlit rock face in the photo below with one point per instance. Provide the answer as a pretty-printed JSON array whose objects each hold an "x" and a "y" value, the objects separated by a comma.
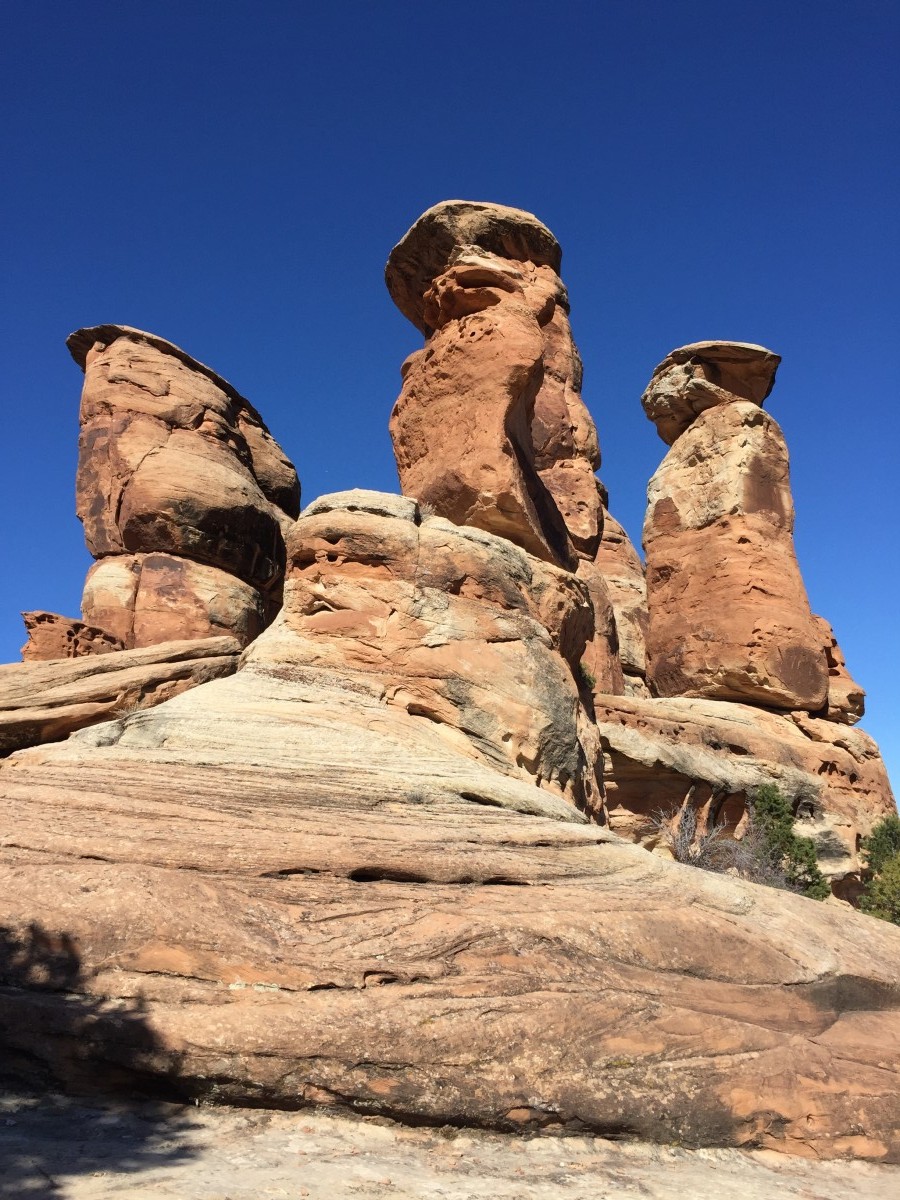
[
  {"x": 460, "y": 628},
  {"x": 183, "y": 493},
  {"x": 728, "y": 614},
  {"x": 490, "y": 429}
]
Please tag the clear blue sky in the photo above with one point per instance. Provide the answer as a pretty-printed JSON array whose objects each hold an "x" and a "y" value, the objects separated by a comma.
[{"x": 232, "y": 176}]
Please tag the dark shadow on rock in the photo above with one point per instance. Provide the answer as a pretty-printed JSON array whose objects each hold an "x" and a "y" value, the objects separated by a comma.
[{"x": 56, "y": 1037}]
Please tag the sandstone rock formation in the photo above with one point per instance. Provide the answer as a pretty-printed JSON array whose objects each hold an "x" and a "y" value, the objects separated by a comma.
[
  {"x": 46, "y": 701},
  {"x": 360, "y": 923},
  {"x": 181, "y": 486},
  {"x": 623, "y": 572},
  {"x": 452, "y": 625},
  {"x": 659, "y": 752},
  {"x": 490, "y": 429},
  {"x": 53, "y": 636},
  {"x": 704, "y": 375},
  {"x": 845, "y": 701},
  {"x": 729, "y": 618}
]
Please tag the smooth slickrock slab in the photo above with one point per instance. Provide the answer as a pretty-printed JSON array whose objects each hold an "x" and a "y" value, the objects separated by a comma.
[
  {"x": 660, "y": 750},
  {"x": 53, "y": 636},
  {"x": 176, "y": 1152},
  {"x": 704, "y": 375},
  {"x": 151, "y": 598},
  {"x": 46, "y": 701},
  {"x": 243, "y": 894},
  {"x": 457, "y": 626},
  {"x": 729, "y": 617}
]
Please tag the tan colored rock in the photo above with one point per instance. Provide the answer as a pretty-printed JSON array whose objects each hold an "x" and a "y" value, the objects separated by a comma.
[
  {"x": 53, "y": 636},
  {"x": 729, "y": 617},
  {"x": 622, "y": 569},
  {"x": 151, "y": 598},
  {"x": 342, "y": 934},
  {"x": 460, "y": 628},
  {"x": 168, "y": 454},
  {"x": 657, "y": 751},
  {"x": 47, "y": 701},
  {"x": 846, "y": 701},
  {"x": 695, "y": 378}
]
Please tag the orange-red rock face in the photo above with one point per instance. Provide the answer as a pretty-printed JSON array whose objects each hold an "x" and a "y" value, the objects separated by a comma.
[
  {"x": 53, "y": 636},
  {"x": 490, "y": 428},
  {"x": 729, "y": 618},
  {"x": 179, "y": 485}
]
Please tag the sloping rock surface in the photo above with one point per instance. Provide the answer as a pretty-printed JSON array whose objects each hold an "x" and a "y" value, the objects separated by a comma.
[
  {"x": 45, "y": 701},
  {"x": 276, "y": 892}
]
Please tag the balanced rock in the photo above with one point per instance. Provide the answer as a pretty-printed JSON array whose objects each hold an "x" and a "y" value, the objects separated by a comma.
[
  {"x": 500, "y": 376},
  {"x": 703, "y": 375},
  {"x": 457, "y": 627},
  {"x": 729, "y": 617},
  {"x": 174, "y": 462},
  {"x": 53, "y": 636}
]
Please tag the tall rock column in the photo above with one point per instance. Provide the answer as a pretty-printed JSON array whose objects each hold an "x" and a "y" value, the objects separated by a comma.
[
  {"x": 183, "y": 493},
  {"x": 490, "y": 429},
  {"x": 729, "y": 617}
]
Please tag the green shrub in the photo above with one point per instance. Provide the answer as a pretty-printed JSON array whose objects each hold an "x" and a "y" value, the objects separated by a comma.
[
  {"x": 772, "y": 815},
  {"x": 882, "y": 843},
  {"x": 882, "y": 852},
  {"x": 882, "y": 896}
]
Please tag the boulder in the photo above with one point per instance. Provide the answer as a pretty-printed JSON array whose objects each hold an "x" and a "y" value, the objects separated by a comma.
[
  {"x": 146, "y": 599},
  {"x": 47, "y": 701},
  {"x": 729, "y": 617},
  {"x": 660, "y": 752},
  {"x": 459, "y": 628},
  {"x": 370, "y": 917},
  {"x": 53, "y": 636},
  {"x": 704, "y": 375}
]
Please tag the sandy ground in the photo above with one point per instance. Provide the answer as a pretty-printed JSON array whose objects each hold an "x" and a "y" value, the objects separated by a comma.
[{"x": 69, "y": 1150}]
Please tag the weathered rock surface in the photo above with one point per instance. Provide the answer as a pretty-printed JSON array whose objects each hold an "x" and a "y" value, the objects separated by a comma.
[
  {"x": 622, "y": 570},
  {"x": 461, "y": 426},
  {"x": 183, "y": 492},
  {"x": 182, "y": 1152},
  {"x": 53, "y": 636},
  {"x": 151, "y": 598},
  {"x": 46, "y": 701},
  {"x": 426, "y": 250},
  {"x": 729, "y": 617},
  {"x": 846, "y": 701},
  {"x": 452, "y": 625},
  {"x": 311, "y": 911},
  {"x": 704, "y": 375},
  {"x": 658, "y": 750}
]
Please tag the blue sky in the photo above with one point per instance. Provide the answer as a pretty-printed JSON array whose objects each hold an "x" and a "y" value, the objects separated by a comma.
[{"x": 232, "y": 176}]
